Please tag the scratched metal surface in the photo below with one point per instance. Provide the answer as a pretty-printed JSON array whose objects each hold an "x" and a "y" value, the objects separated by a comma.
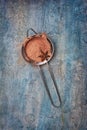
[{"x": 24, "y": 103}]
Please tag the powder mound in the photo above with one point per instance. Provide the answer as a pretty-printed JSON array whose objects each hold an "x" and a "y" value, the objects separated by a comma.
[{"x": 38, "y": 48}]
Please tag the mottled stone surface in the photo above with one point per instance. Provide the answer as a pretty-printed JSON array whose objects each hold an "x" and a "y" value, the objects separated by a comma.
[{"x": 24, "y": 103}]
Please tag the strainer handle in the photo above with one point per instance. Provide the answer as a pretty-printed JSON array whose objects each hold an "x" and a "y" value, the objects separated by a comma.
[
  {"x": 47, "y": 89},
  {"x": 55, "y": 84}
]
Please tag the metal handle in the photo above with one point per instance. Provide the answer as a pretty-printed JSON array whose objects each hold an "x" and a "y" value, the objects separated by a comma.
[
  {"x": 55, "y": 84},
  {"x": 46, "y": 86}
]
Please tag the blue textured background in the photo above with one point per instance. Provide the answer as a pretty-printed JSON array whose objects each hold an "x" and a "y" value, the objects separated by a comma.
[{"x": 24, "y": 104}]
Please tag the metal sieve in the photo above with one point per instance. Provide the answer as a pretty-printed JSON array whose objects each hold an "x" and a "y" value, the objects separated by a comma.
[{"x": 39, "y": 64}]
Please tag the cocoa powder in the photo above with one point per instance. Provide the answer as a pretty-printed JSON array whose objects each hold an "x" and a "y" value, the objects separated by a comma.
[{"x": 37, "y": 48}]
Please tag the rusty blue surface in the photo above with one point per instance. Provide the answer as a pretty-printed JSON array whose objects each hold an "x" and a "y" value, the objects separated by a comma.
[{"x": 24, "y": 103}]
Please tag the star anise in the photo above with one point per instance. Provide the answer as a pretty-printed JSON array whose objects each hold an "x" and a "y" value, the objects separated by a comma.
[{"x": 44, "y": 55}]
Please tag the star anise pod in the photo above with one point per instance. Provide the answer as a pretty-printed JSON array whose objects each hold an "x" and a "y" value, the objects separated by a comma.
[{"x": 44, "y": 55}]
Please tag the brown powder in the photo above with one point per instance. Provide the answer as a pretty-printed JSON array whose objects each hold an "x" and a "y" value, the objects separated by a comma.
[{"x": 38, "y": 48}]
